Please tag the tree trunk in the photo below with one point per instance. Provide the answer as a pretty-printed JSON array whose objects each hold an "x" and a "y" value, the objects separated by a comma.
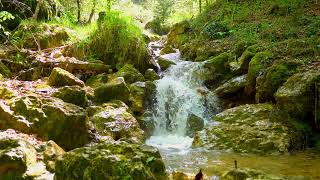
[
  {"x": 200, "y": 6},
  {"x": 92, "y": 11},
  {"x": 79, "y": 10},
  {"x": 36, "y": 12}
]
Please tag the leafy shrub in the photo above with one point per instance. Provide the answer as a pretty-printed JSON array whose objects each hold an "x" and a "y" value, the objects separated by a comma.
[{"x": 216, "y": 30}]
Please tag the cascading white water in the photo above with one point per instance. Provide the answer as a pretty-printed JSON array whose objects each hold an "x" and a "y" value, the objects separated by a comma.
[{"x": 179, "y": 94}]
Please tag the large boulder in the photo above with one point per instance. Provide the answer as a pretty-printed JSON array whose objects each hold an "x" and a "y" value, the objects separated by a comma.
[
  {"x": 257, "y": 128},
  {"x": 117, "y": 89},
  {"x": 117, "y": 160},
  {"x": 194, "y": 123},
  {"x": 24, "y": 157},
  {"x": 300, "y": 96},
  {"x": 60, "y": 77},
  {"x": 273, "y": 78},
  {"x": 72, "y": 94},
  {"x": 151, "y": 75},
  {"x": 130, "y": 74},
  {"x": 232, "y": 86},
  {"x": 115, "y": 120},
  {"x": 49, "y": 118},
  {"x": 137, "y": 97}
]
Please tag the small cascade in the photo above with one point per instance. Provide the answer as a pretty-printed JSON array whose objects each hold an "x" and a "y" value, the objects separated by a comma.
[{"x": 180, "y": 93}]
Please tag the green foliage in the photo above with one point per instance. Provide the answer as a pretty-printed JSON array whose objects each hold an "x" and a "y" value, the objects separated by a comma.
[
  {"x": 5, "y": 16},
  {"x": 216, "y": 30},
  {"x": 163, "y": 9}
]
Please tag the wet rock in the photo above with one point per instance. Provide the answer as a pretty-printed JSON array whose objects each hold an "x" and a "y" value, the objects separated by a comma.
[
  {"x": 117, "y": 89},
  {"x": 246, "y": 57},
  {"x": 137, "y": 97},
  {"x": 194, "y": 123},
  {"x": 180, "y": 176},
  {"x": 256, "y": 128},
  {"x": 60, "y": 77},
  {"x": 167, "y": 50},
  {"x": 130, "y": 74},
  {"x": 218, "y": 67},
  {"x": 114, "y": 120},
  {"x": 243, "y": 174},
  {"x": 151, "y": 75},
  {"x": 72, "y": 94},
  {"x": 165, "y": 63},
  {"x": 117, "y": 160},
  {"x": 146, "y": 123},
  {"x": 49, "y": 118},
  {"x": 21, "y": 157},
  {"x": 232, "y": 86},
  {"x": 176, "y": 36},
  {"x": 273, "y": 78},
  {"x": 96, "y": 81},
  {"x": 298, "y": 96}
]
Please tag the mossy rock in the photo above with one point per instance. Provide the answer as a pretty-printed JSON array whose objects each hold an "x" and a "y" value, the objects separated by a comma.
[
  {"x": 51, "y": 119},
  {"x": 117, "y": 160},
  {"x": 245, "y": 173},
  {"x": 232, "y": 86},
  {"x": 117, "y": 89},
  {"x": 167, "y": 50},
  {"x": 151, "y": 75},
  {"x": 256, "y": 128},
  {"x": 115, "y": 120},
  {"x": 4, "y": 70},
  {"x": 137, "y": 97},
  {"x": 165, "y": 63},
  {"x": 98, "y": 80},
  {"x": 246, "y": 57},
  {"x": 297, "y": 96},
  {"x": 72, "y": 94},
  {"x": 177, "y": 35},
  {"x": 147, "y": 123},
  {"x": 130, "y": 74},
  {"x": 257, "y": 65},
  {"x": 273, "y": 78},
  {"x": 6, "y": 93},
  {"x": 60, "y": 77},
  {"x": 194, "y": 123}
]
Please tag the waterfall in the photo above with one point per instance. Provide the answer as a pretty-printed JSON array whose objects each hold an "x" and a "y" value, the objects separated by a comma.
[{"x": 180, "y": 92}]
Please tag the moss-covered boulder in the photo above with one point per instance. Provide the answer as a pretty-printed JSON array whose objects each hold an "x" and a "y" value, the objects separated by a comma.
[
  {"x": 117, "y": 89},
  {"x": 43, "y": 35},
  {"x": 130, "y": 74},
  {"x": 49, "y": 118},
  {"x": 273, "y": 78},
  {"x": 117, "y": 160},
  {"x": 257, "y": 128},
  {"x": 60, "y": 77},
  {"x": 299, "y": 95},
  {"x": 72, "y": 94},
  {"x": 246, "y": 57},
  {"x": 257, "y": 65},
  {"x": 98, "y": 80},
  {"x": 115, "y": 120},
  {"x": 232, "y": 86},
  {"x": 151, "y": 75},
  {"x": 177, "y": 35},
  {"x": 244, "y": 174},
  {"x": 165, "y": 63},
  {"x": 194, "y": 123},
  {"x": 22, "y": 156},
  {"x": 167, "y": 50},
  {"x": 137, "y": 97}
]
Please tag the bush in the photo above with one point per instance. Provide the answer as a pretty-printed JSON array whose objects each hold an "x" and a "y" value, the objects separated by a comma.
[{"x": 216, "y": 30}]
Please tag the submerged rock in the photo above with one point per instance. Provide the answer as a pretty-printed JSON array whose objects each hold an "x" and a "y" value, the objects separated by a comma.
[
  {"x": 117, "y": 89},
  {"x": 194, "y": 123},
  {"x": 256, "y": 128},
  {"x": 117, "y": 160},
  {"x": 60, "y": 77},
  {"x": 49, "y": 118},
  {"x": 298, "y": 96},
  {"x": 114, "y": 120},
  {"x": 72, "y": 94}
]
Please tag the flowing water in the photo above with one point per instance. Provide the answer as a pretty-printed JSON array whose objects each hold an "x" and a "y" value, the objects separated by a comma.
[{"x": 181, "y": 92}]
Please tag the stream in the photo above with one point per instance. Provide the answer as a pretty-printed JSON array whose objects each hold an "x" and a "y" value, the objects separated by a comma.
[{"x": 179, "y": 94}]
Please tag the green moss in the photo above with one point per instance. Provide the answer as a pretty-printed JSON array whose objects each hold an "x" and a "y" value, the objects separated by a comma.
[
  {"x": 96, "y": 81},
  {"x": 219, "y": 64},
  {"x": 72, "y": 94},
  {"x": 130, "y": 74},
  {"x": 4, "y": 70},
  {"x": 60, "y": 77}
]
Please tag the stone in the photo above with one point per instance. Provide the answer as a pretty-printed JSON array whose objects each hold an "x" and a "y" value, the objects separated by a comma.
[
  {"x": 98, "y": 80},
  {"x": 51, "y": 119},
  {"x": 176, "y": 36},
  {"x": 51, "y": 153},
  {"x": 137, "y": 97},
  {"x": 115, "y": 120},
  {"x": 116, "y": 160},
  {"x": 180, "y": 176},
  {"x": 194, "y": 123},
  {"x": 151, "y": 75},
  {"x": 246, "y": 57},
  {"x": 256, "y": 128},
  {"x": 298, "y": 96},
  {"x": 60, "y": 77},
  {"x": 167, "y": 50},
  {"x": 165, "y": 63},
  {"x": 72, "y": 94},
  {"x": 273, "y": 78},
  {"x": 244, "y": 174},
  {"x": 147, "y": 123},
  {"x": 232, "y": 86},
  {"x": 130, "y": 74},
  {"x": 117, "y": 89}
]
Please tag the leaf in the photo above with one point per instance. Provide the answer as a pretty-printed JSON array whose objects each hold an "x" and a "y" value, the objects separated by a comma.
[{"x": 150, "y": 159}]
